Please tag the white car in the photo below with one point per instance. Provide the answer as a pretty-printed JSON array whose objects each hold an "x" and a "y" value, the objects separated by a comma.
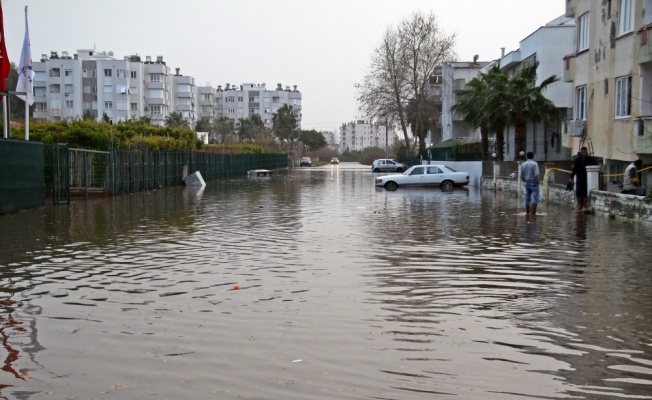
[
  {"x": 387, "y": 165},
  {"x": 425, "y": 175}
]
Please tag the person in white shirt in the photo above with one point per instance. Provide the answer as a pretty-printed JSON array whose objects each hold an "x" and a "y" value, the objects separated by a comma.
[{"x": 530, "y": 175}]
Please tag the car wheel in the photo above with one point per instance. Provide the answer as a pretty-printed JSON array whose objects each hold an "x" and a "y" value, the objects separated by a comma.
[
  {"x": 447, "y": 186},
  {"x": 376, "y": 170},
  {"x": 399, "y": 169},
  {"x": 391, "y": 186}
]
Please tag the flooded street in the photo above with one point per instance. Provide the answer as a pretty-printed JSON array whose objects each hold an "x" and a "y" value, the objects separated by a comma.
[{"x": 313, "y": 284}]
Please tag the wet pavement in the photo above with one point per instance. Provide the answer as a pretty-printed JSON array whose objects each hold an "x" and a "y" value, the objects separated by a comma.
[{"x": 314, "y": 284}]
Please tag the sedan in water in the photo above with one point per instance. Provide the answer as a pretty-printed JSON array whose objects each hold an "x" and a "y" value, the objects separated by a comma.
[{"x": 425, "y": 175}]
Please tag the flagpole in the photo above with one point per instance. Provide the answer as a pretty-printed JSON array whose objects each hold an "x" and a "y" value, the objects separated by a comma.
[
  {"x": 26, "y": 98},
  {"x": 4, "y": 117}
]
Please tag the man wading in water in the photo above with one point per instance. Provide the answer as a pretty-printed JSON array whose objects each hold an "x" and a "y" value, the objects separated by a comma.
[{"x": 579, "y": 171}]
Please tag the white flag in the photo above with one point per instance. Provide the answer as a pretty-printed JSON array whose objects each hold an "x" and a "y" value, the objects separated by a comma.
[{"x": 25, "y": 71}]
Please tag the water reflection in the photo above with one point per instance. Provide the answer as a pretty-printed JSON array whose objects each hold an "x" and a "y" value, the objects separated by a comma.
[{"x": 346, "y": 291}]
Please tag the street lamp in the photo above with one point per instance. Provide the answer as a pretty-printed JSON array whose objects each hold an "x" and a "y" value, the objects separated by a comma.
[
  {"x": 493, "y": 156},
  {"x": 518, "y": 187}
]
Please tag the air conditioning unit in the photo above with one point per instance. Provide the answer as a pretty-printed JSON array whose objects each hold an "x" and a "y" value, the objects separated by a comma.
[{"x": 577, "y": 127}]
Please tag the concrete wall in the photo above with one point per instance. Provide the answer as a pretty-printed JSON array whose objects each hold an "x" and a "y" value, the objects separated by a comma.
[
  {"x": 474, "y": 168},
  {"x": 613, "y": 204}
]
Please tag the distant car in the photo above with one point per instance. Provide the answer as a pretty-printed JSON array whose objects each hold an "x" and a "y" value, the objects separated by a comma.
[
  {"x": 335, "y": 160},
  {"x": 425, "y": 175},
  {"x": 305, "y": 162},
  {"x": 387, "y": 165}
]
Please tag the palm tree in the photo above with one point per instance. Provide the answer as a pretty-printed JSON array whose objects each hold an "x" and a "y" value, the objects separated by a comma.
[
  {"x": 175, "y": 120},
  {"x": 285, "y": 123},
  {"x": 528, "y": 102},
  {"x": 483, "y": 105},
  {"x": 470, "y": 103}
]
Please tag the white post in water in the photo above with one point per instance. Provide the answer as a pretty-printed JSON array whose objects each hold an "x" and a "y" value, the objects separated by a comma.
[{"x": 592, "y": 180}]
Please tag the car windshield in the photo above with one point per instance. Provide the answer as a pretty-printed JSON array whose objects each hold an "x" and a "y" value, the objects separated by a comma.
[{"x": 409, "y": 171}]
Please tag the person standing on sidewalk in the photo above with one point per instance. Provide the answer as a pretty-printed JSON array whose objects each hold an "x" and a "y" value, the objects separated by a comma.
[
  {"x": 581, "y": 185},
  {"x": 530, "y": 175}
]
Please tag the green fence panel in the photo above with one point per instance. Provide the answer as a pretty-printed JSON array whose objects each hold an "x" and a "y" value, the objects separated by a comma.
[{"x": 22, "y": 183}]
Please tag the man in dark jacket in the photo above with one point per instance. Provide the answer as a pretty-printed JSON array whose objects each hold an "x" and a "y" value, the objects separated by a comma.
[{"x": 579, "y": 171}]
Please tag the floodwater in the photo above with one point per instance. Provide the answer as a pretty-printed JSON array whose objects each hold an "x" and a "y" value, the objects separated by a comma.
[{"x": 313, "y": 284}]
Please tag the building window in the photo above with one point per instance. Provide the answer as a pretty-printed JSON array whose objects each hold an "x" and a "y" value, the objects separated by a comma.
[
  {"x": 67, "y": 88},
  {"x": 155, "y": 78},
  {"x": 67, "y": 72},
  {"x": 40, "y": 107},
  {"x": 623, "y": 96},
  {"x": 133, "y": 90},
  {"x": 55, "y": 104},
  {"x": 133, "y": 74},
  {"x": 108, "y": 105},
  {"x": 107, "y": 73},
  {"x": 625, "y": 17},
  {"x": 156, "y": 109},
  {"x": 121, "y": 73},
  {"x": 183, "y": 88},
  {"x": 121, "y": 106},
  {"x": 583, "y": 32},
  {"x": 156, "y": 93},
  {"x": 134, "y": 106},
  {"x": 108, "y": 88},
  {"x": 55, "y": 88},
  {"x": 55, "y": 72},
  {"x": 580, "y": 103},
  {"x": 68, "y": 103},
  {"x": 89, "y": 73},
  {"x": 39, "y": 92},
  {"x": 184, "y": 101}
]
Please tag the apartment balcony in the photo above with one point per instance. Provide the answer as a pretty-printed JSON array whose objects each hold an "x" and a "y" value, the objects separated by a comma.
[
  {"x": 459, "y": 85},
  {"x": 642, "y": 142},
  {"x": 571, "y": 5},
  {"x": 644, "y": 54},
  {"x": 569, "y": 68}
]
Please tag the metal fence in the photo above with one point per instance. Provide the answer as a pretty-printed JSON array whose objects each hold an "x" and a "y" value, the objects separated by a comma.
[{"x": 80, "y": 172}]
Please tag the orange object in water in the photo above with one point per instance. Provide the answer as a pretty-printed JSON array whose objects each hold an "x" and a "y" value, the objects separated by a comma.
[{"x": 236, "y": 287}]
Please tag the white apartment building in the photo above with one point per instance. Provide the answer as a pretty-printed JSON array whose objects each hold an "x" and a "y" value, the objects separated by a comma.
[
  {"x": 360, "y": 134},
  {"x": 547, "y": 45},
  {"x": 455, "y": 76},
  {"x": 236, "y": 102},
  {"x": 96, "y": 83}
]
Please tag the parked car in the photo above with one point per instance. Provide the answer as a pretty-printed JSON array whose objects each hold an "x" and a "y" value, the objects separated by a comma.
[
  {"x": 387, "y": 165},
  {"x": 305, "y": 162},
  {"x": 425, "y": 175},
  {"x": 335, "y": 161}
]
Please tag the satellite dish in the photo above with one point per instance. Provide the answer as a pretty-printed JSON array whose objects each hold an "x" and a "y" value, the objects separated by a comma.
[{"x": 111, "y": 53}]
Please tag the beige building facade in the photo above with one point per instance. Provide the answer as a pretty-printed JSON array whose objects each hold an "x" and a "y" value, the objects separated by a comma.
[{"x": 611, "y": 72}]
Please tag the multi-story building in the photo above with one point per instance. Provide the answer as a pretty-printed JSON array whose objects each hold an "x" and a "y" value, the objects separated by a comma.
[
  {"x": 92, "y": 84},
  {"x": 455, "y": 76},
  {"x": 359, "y": 135},
  {"x": 236, "y": 102},
  {"x": 610, "y": 68},
  {"x": 547, "y": 45}
]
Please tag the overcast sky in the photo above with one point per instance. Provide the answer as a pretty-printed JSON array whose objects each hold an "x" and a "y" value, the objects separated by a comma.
[{"x": 322, "y": 46}]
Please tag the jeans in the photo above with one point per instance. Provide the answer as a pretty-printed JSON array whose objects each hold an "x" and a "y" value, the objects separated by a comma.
[{"x": 531, "y": 193}]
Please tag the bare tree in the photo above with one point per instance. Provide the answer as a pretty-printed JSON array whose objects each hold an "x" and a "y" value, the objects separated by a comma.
[{"x": 400, "y": 69}]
